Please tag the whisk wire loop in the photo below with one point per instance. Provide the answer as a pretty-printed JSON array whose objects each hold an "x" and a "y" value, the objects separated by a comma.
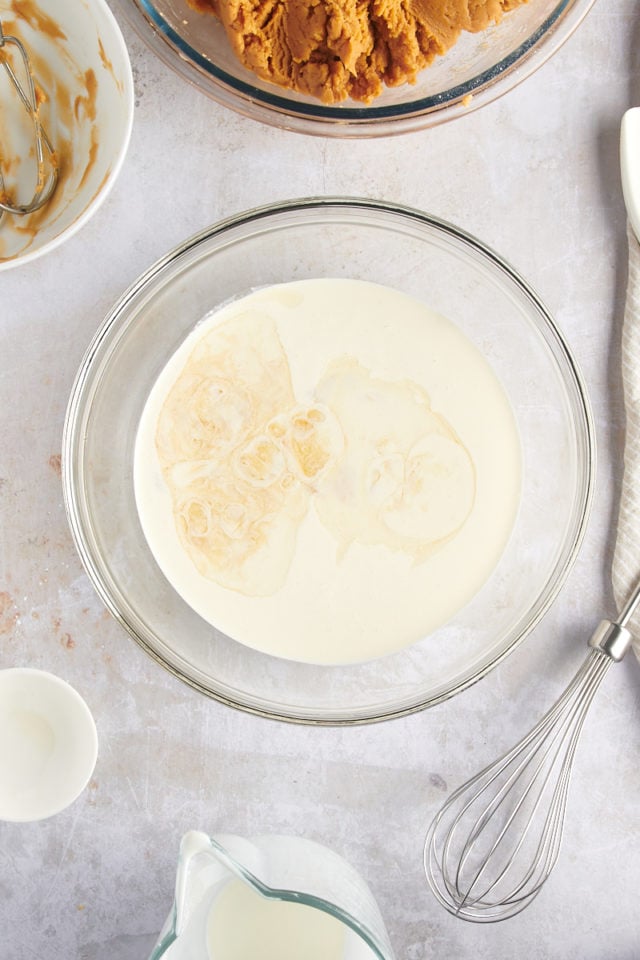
[{"x": 497, "y": 838}]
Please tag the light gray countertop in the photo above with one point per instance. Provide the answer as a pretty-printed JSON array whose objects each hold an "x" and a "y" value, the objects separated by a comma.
[{"x": 535, "y": 175}]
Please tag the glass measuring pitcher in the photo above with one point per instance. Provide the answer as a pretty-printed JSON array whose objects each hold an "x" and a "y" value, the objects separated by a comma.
[{"x": 272, "y": 897}]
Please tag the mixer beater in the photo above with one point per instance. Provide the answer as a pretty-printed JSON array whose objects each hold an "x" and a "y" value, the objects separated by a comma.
[{"x": 16, "y": 63}]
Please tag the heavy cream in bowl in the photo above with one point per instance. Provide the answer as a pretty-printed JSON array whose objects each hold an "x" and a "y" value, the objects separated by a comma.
[
  {"x": 327, "y": 470},
  {"x": 451, "y": 274}
]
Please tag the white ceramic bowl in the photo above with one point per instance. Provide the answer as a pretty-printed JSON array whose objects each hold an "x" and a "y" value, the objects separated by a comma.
[
  {"x": 81, "y": 65},
  {"x": 48, "y": 744}
]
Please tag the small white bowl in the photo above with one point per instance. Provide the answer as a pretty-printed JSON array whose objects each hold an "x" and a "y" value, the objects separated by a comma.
[
  {"x": 81, "y": 66},
  {"x": 48, "y": 744}
]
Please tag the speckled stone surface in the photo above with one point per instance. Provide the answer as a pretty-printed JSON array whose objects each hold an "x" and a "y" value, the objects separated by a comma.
[{"x": 535, "y": 175}]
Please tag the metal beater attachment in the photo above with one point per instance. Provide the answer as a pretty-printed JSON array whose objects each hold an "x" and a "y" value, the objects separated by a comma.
[
  {"x": 497, "y": 838},
  {"x": 20, "y": 74}
]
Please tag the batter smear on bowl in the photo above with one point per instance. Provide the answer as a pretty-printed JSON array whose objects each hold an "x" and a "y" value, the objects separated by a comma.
[{"x": 335, "y": 49}]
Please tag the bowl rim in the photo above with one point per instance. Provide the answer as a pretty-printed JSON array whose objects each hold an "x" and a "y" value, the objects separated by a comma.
[
  {"x": 257, "y": 215},
  {"x": 104, "y": 190},
  {"x": 273, "y": 107}
]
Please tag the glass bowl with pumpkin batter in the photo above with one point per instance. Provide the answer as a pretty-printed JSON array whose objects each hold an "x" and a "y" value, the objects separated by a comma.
[{"x": 258, "y": 59}]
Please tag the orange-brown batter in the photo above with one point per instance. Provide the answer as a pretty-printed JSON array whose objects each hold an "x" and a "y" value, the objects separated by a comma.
[{"x": 334, "y": 49}]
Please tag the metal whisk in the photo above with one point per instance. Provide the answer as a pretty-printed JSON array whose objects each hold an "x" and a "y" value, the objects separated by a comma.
[
  {"x": 497, "y": 838},
  {"x": 20, "y": 74}
]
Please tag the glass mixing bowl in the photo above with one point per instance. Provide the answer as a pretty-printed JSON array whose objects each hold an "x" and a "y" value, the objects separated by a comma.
[
  {"x": 453, "y": 274},
  {"x": 477, "y": 70}
]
